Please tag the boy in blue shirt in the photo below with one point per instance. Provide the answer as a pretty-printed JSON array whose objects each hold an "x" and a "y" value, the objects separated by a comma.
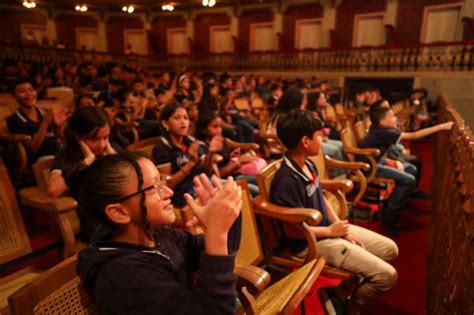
[
  {"x": 347, "y": 246},
  {"x": 384, "y": 133}
]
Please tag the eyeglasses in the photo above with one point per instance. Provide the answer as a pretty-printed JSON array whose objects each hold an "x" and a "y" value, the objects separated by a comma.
[{"x": 157, "y": 188}]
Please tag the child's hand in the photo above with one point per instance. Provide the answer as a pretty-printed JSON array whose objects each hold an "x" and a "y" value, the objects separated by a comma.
[
  {"x": 447, "y": 126},
  {"x": 109, "y": 150},
  {"x": 221, "y": 210},
  {"x": 399, "y": 165},
  {"x": 193, "y": 151},
  {"x": 216, "y": 144},
  {"x": 235, "y": 153},
  {"x": 204, "y": 189},
  {"x": 48, "y": 117},
  {"x": 339, "y": 228},
  {"x": 89, "y": 157}
]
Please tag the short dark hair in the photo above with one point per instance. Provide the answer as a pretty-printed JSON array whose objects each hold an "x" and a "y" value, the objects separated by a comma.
[
  {"x": 292, "y": 127},
  {"x": 377, "y": 113}
]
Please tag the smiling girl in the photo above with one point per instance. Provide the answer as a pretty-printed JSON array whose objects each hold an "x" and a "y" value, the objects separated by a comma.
[{"x": 140, "y": 265}]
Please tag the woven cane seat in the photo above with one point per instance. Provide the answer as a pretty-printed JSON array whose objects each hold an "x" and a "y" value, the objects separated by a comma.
[{"x": 71, "y": 298}]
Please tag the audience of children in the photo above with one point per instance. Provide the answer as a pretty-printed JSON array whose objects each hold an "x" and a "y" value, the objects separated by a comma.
[{"x": 126, "y": 211}]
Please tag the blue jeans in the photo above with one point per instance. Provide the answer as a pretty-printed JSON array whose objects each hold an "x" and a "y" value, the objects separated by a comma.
[{"x": 404, "y": 184}]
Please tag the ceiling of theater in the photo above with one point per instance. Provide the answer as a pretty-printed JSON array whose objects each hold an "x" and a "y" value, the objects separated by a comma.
[{"x": 139, "y": 4}]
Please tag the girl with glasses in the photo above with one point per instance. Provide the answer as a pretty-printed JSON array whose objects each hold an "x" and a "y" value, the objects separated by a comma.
[{"x": 137, "y": 263}]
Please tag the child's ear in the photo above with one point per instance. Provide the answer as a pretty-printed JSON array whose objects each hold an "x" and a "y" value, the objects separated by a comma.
[
  {"x": 304, "y": 141},
  {"x": 164, "y": 123},
  {"x": 117, "y": 213}
]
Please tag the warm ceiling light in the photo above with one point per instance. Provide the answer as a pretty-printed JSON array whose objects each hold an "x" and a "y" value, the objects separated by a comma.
[
  {"x": 29, "y": 4},
  {"x": 167, "y": 7},
  {"x": 129, "y": 9},
  {"x": 81, "y": 8},
  {"x": 209, "y": 3}
]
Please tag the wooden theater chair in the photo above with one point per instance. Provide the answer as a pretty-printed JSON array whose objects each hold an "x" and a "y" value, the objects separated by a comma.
[
  {"x": 14, "y": 242},
  {"x": 284, "y": 296},
  {"x": 62, "y": 210},
  {"x": 337, "y": 197},
  {"x": 379, "y": 188},
  {"x": 57, "y": 291},
  {"x": 299, "y": 220}
]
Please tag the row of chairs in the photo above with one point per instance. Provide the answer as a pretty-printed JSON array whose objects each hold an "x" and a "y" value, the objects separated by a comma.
[
  {"x": 62, "y": 210},
  {"x": 451, "y": 247}
]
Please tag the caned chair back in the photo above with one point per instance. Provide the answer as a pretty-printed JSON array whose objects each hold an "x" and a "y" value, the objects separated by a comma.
[
  {"x": 397, "y": 107},
  {"x": 339, "y": 109},
  {"x": 349, "y": 140},
  {"x": 144, "y": 146},
  {"x": 57, "y": 291},
  {"x": 242, "y": 104},
  {"x": 250, "y": 250},
  {"x": 257, "y": 103},
  {"x": 265, "y": 178},
  {"x": 360, "y": 130},
  {"x": 42, "y": 172},
  {"x": 13, "y": 238},
  {"x": 65, "y": 95},
  {"x": 330, "y": 113},
  {"x": 320, "y": 164}
]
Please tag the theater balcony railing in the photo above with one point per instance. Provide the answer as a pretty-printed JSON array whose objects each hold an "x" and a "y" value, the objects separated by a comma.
[{"x": 435, "y": 57}]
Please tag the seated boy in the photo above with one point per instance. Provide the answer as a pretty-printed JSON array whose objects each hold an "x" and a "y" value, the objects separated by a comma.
[
  {"x": 347, "y": 246},
  {"x": 42, "y": 126},
  {"x": 383, "y": 133}
]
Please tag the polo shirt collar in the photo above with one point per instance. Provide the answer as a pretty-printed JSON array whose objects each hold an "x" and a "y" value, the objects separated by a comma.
[{"x": 297, "y": 169}]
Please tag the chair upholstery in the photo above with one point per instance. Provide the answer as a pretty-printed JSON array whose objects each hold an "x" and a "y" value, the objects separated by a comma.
[{"x": 57, "y": 291}]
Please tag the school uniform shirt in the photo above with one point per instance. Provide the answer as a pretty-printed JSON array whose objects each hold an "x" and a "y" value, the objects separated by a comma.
[
  {"x": 381, "y": 138},
  {"x": 20, "y": 123},
  {"x": 291, "y": 187},
  {"x": 165, "y": 152}
]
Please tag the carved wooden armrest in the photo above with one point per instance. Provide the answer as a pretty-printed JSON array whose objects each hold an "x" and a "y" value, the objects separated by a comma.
[
  {"x": 353, "y": 166},
  {"x": 344, "y": 185},
  {"x": 367, "y": 151},
  {"x": 63, "y": 204},
  {"x": 242, "y": 145},
  {"x": 254, "y": 278},
  {"x": 292, "y": 215}
]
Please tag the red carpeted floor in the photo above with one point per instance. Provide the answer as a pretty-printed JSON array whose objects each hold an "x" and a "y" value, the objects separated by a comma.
[{"x": 409, "y": 295}]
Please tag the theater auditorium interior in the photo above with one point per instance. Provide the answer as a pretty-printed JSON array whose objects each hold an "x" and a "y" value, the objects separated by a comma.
[{"x": 237, "y": 157}]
